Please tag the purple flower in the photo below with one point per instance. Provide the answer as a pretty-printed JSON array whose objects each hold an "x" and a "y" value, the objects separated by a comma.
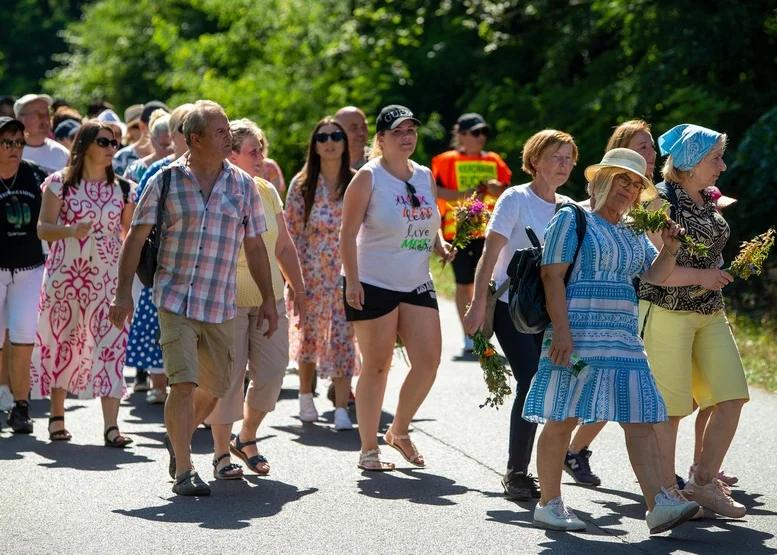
[{"x": 476, "y": 207}]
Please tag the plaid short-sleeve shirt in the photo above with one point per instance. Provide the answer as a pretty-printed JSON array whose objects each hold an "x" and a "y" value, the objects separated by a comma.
[{"x": 201, "y": 239}]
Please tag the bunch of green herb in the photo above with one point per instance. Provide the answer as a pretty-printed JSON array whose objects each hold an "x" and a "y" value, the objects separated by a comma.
[
  {"x": 752, "y": 256},
  {"x": 495, "y": 371},
  {"x": 644, "y": 220}
]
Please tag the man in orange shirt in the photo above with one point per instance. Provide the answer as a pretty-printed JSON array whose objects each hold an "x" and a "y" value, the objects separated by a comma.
[{"x": 465, "y": 170}]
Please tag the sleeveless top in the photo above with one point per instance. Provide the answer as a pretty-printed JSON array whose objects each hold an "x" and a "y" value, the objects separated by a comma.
[{"x": 396, "y": 241}]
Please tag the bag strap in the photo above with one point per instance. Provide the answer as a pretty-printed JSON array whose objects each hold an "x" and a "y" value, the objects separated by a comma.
[
  {"x": 125, "y": 187},
  {"x": 581, "y": 226},
  {"x": 160, "y": 208},
  {"x": 502, "y": 288},
  {"x": 671, "y": 196}
]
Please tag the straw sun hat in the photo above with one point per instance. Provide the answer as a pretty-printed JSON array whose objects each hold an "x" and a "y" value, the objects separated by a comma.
[{"x": 629, "y": 160}]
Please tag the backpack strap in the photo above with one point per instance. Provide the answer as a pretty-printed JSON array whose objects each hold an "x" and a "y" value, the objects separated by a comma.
[
  {"x": 668, "y": 191},
  {"x": 160, "y": 207},
  {"x": 126, "y": 186}
]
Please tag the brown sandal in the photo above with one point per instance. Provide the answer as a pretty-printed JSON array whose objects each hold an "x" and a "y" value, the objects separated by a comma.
[{"x": 59, "y": 435}]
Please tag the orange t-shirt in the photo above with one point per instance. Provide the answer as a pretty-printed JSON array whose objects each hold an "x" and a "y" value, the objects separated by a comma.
[{"x": 458, "y": 171}]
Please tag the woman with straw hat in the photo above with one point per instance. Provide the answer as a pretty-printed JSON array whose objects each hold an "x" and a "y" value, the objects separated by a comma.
[{"x": 594, "y": 316}]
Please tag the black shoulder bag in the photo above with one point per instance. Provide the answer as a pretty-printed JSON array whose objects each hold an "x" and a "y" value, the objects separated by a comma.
[
  {"x": 527, "y": 292},
  {"x": 148, "y": 256}
]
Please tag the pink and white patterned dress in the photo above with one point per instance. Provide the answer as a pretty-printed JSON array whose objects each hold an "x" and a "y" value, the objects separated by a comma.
[{"x": 77, "y": 348}]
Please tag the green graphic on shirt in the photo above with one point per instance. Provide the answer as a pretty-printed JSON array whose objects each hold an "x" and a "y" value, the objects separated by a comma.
[
  {"x": 470, "y": 174},
  {"x": 18, "y": 214}
]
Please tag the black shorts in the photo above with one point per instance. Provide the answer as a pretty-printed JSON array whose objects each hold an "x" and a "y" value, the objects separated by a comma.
[
  {"x": 466, "y": 261},
  {"x": 379, "y": 302}
]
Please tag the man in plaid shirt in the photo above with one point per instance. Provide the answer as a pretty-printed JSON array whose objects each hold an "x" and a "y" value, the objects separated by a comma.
[{"x": 212, "y": 208}]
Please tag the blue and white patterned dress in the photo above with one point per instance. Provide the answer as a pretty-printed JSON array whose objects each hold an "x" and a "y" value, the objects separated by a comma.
[{"x": 603, "y": 310}]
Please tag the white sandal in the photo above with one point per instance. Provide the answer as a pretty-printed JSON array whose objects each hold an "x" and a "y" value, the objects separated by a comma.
[
  {"x": 373, "y": 456},
  {"x": 416, "y": 455}
]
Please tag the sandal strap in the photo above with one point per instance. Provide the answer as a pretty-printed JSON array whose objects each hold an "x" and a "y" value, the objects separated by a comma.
[
  {"x": 109, "y": 430},
  {"x": 373, "y": 455},
  {"x": 258, "y": 459},
  {"x": 240, "y": 444},
  {"x": 56, "y": 419},
  {"x": 219, "y": 459},
  {"x": 399, "y": 436}
]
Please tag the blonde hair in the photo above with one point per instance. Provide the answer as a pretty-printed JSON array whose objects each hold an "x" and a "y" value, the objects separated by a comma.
[
  {"x": 241, "y": 129},
  {"x": 159, "y": 123},
  {"x": 178, "y": 115},
  {"x": 670, "y": 173},
  {"x": 538, "y": 143},
  {"x": 626, "y": 131},
  {"x": 376, "y": 149},
  {"x": 600, "y": 186}
]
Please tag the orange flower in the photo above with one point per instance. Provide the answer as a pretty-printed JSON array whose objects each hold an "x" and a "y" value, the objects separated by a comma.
[{"x": 489, "y": 352}]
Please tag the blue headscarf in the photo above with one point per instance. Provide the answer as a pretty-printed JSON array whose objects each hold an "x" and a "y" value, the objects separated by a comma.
[{"x": 688, "y": 144}]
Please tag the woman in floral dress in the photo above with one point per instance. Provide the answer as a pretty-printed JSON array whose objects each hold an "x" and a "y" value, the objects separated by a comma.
[
  {"x": 314, "y": 209},
  {"x": 85, "y": 214}
]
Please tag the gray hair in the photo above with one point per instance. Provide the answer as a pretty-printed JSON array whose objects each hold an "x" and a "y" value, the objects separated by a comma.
[
  {"x": 241, "y": 129},
  {"x": 159, "y": 123},
  {"x": 196, "y": 121}
]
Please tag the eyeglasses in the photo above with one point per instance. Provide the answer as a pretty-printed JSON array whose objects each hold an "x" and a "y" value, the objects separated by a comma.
[
  {"x": 414, "y": 202},
  {"x": 337, "y": 136},
  {"x": 102, "y": 142},
  {"x": 626, "y": 182},
  {"x": 8, "y": 144},
  {"x": 476, "y": 132}
]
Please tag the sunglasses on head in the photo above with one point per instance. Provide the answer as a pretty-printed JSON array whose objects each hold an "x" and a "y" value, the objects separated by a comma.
[
  {"x": 337, "y": 136},
  {"x": 477, "y": 132},
  {"x": 8, "y": 144},
  {"x": 414, "y": 202},
  {"x": 102, "y": 142}
]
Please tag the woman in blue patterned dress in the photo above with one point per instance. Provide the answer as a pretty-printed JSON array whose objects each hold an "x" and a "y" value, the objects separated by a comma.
[
  {"x": 595, "y": 316},
  {"x": 142, "y": 350}
]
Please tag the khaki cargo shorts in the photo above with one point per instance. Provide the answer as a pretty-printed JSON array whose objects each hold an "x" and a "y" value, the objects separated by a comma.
[{"x": 197, "y": 352}]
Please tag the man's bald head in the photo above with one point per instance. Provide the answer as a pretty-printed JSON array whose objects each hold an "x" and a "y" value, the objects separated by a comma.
[{"x": 355, "y": 123}]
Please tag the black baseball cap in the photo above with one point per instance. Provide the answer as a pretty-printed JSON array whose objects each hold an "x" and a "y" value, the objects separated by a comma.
[
  {"x": 5, "y": 121},
  {"x": 150, "y": 107},
  {"x": 393, "y": 115},
  {"x": 471, "y": 121}
]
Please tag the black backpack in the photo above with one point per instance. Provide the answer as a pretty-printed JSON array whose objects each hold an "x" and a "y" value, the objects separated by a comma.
[
  {"x": 527, "y": 293},
  {"x": 148, "y": 256}
]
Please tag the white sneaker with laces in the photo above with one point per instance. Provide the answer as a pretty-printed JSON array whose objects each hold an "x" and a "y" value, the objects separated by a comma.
[
  {"x": 342, "y": 421},
  {"x": 307, "y": 408},
  {"x": 556, "y": 516},
  {"x": 6, "y": 398},
  {"x": 669, "y": 512}
]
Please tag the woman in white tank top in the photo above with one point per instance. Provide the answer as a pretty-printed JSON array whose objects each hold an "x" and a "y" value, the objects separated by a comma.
[{"x": 391, "y": 227}]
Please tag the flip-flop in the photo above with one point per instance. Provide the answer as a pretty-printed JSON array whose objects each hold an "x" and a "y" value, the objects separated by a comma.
[
  {"x": 222, "y": 474},
  {"x": 119, "y": 441},
  {"x": 416, "y": 454},
  {"x": 251, "y": 462},
  {"x": 59, "y": 435}
]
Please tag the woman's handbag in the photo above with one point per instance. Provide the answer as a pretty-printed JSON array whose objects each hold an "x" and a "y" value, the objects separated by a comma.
[
  {"x": 148, "y": 256},
  {"x": 487, "y": 329}
]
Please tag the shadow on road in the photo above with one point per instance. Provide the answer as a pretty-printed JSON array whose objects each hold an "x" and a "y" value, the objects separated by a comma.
[
  {"x": 246, "y": 500},
  {"x": 416, "y": 486}
]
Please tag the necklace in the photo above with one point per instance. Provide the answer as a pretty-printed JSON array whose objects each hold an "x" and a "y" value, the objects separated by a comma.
[{"x": 7, "y": 188}]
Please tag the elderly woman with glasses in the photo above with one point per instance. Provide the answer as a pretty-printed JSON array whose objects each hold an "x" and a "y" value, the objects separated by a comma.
[
  {"x": 687, "y": 336},
  {"x": 594, "y": 316}
]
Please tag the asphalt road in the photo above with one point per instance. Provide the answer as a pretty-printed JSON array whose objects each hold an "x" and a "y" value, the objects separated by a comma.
[{"x": 84, "y": 498}]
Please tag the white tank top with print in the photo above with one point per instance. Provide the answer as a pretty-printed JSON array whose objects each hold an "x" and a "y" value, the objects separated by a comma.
[{"x": 396, "y": 240}]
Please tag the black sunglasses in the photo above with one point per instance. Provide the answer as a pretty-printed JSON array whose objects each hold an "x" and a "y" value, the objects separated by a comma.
[
  {"x": 102, "y": 142},
  {"x": 180, "y": 129},
  {"x": 415, "y": 203},
  {"x": 337, "y": 136},
  {"x": 477, "y": 132},
  {"x": 8, "y": 144}
]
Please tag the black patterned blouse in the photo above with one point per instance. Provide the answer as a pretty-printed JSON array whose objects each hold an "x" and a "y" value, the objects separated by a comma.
[{"x": 705, "y": 225}]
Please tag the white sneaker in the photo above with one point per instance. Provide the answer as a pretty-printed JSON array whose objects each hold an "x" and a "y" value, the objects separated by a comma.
[
  {"x": 469, "y": 346},
  {"x": 556, "y": 516},
  {"x": 669, "y": 512},
  {"x": 342, "y": 421},
  {"x": 307, "y": 408},
  {"x": 6, "y": 398}
]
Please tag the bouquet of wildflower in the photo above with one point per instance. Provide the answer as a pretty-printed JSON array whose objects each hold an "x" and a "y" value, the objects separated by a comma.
[
  {"x": 494, "y": 371},
  {"x": 752, "y": 256},
  {"x": 643, "y": 220},
  {"x": 472, "y": 217}
]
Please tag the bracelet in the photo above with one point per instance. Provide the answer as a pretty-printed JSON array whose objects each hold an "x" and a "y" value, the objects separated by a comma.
[{"x": 672, "y": 254}]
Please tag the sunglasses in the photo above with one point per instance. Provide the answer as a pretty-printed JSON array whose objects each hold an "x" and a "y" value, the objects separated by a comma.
[
  {"x": 414, "y": 202},
  {"x": 8, "y": 144},
  {"x": 476, "y": 132},
  {"x": 337, "y": 136},
  {"x": 626, "y": 182},
  {"x": 102, "y": 142}
]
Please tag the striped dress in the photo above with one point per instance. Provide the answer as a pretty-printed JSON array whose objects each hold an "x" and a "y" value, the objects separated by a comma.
[{"x": 602, "y": 307}]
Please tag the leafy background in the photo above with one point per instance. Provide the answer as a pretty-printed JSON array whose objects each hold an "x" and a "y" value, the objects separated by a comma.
[{"x": 578, "y": 65}]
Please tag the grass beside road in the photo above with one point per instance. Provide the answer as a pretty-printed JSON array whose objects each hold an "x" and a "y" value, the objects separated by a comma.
[{"x": 757, "y": 340}]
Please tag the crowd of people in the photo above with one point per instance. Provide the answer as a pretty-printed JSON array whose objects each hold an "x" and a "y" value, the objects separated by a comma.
[{"x": 247, "y": 284}]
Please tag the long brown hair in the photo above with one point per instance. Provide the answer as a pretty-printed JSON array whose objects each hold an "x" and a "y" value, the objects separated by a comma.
[
  {"x": 308, "y": 176},
  {"x": 84, "y": 138}
]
